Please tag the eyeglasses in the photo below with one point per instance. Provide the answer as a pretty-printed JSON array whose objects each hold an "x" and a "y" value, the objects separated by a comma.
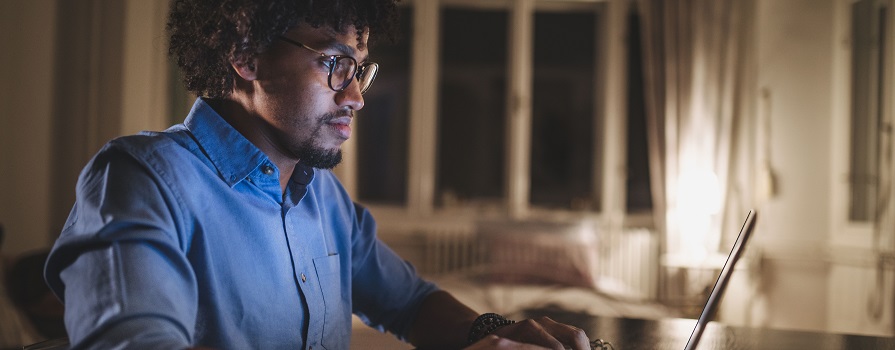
[{"x": 343, "y": 68}]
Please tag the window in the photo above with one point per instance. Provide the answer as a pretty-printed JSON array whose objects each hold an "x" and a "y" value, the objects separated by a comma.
[
  {"x": 638, "y": 187},
  {"x": 432, "y": 148},
  {"x": 382, "y": 124},
  {"x": 472, "y": 111},
  {"x": 563, "y": 110},
  {"x": 869, "y": 127}
]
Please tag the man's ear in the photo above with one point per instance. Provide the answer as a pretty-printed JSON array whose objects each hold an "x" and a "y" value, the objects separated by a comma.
[{"x": 246, "y": 69}]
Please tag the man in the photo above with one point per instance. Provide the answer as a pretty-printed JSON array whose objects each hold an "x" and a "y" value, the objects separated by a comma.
[{"x": 228, "y": 231}]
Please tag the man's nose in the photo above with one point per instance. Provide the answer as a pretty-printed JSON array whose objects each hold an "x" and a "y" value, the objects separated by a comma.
[{"x": 351, "y": 96}]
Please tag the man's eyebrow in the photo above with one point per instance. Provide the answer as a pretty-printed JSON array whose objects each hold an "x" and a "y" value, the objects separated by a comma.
[{"x": 344, "y": 49}]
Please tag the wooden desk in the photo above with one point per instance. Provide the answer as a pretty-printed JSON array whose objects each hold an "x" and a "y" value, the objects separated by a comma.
[{"x": 672, "y": 334}]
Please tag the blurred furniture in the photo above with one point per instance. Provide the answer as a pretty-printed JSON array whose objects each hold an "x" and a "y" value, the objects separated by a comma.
[
  {"x": 686, "y": 287},
  {"x": 52, "y": 344},
  {"x": 540, "y": 253},
  {"x": 29, "y": 312},
  {"x": 571, "y": 253},
  {"x": 30, "y": 294},
  {"x": 14, "y": 329},
  {"x": 503, "y": 265}
]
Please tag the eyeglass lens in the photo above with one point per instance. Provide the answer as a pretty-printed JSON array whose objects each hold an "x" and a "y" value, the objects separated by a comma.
[
  {"x": 367, "y": 74},
  {"x": 345, "y": 69}
]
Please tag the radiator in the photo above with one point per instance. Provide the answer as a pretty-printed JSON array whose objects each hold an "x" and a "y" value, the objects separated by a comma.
[
  {"x": 624, "y": 264},
  {"x": 450, "y": 250},
  {"x": 631, "y": 260}
]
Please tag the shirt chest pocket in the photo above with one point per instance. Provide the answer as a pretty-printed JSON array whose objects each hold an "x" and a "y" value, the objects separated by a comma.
[{"x": 337, "y": 303}]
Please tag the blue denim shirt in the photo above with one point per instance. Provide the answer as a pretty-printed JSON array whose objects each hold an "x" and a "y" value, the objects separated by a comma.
[{"x": 184, "y": 237}]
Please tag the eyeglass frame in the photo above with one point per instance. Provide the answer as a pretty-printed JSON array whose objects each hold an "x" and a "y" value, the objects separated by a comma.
[{"x": 333, "y": 59}]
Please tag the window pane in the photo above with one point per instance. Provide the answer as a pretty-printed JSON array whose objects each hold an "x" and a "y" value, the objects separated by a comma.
[
  {"x": 562, "y": 153},
  {"x": 639, "y": 192},
  {"x": 382, "y": 125},
  {"x": 472, "y": 108},
  {"x": 868, "y": 72}
]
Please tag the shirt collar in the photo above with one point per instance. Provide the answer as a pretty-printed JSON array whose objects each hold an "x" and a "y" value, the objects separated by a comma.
[{"x": 232, "y": 154}]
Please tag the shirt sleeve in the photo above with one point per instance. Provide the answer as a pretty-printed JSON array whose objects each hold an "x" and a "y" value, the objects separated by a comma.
[
  {"x": 386, "y": 290},
  {"x": 118, "y": 265}
]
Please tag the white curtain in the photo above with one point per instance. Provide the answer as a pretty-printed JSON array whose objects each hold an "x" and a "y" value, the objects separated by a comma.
[{"x": 699, "y": 95}]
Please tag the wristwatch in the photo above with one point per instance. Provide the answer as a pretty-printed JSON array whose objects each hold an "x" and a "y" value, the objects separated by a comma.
[{"x": 486, "y": 324}]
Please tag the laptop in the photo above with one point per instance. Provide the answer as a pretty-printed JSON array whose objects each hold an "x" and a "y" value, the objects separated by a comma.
[{"x": 723, "y": 279}]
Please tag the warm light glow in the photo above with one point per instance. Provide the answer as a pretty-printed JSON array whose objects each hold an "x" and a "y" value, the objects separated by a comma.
[
  {"x": 699, "y": 193},
  {"x": 699, "y": 197}
]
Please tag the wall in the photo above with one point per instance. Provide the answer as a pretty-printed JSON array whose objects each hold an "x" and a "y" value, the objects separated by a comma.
[
  {"x": 69, "y": 85},
  {"x": 794, "y": 46},
  {"x": 810, "y": 272},
  {"x": 26, "y": 91}
]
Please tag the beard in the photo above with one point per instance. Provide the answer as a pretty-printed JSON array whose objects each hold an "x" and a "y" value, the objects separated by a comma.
[
  {"x": 311, "y": 153},
  {"x": 316, "y": 157}
]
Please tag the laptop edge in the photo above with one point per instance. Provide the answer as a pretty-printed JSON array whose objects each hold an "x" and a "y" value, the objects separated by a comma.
[{"x": 723, "y": 279}]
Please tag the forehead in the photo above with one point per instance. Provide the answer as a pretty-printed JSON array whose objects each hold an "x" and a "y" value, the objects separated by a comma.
[{"x": 328, "y": 37}]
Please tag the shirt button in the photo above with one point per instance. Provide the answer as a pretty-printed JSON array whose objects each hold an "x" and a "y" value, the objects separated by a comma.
[
  {"x": 303, "y": 278},
  {"x": 267, "y": 170}
]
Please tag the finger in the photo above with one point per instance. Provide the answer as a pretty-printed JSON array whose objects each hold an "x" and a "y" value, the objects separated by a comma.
[
  {"x": 530, "y": 331},
  {"x": 568, "y": 335}
]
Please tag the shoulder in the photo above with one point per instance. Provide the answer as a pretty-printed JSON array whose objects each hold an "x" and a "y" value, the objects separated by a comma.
[
  {"x": 139, "y": 167},
  {"x": 158, "y": 152},
  {"x": 149, "y": 144}
]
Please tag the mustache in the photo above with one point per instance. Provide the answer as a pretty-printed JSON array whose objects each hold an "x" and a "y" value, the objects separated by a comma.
[{"x": 337, "y": 114}]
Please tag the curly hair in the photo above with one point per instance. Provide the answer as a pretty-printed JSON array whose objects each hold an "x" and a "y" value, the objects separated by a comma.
[{"x": 206, "y": 35}]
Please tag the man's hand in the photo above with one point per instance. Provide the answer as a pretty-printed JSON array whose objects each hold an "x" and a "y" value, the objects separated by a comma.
[
  {"x": 545, "y": 332},
  {"x": 493, "y": 342},
  {"x": 444, "y": 323}
]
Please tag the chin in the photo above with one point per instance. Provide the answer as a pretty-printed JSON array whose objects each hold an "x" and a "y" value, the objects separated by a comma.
[{"x": 321, "y": 158}]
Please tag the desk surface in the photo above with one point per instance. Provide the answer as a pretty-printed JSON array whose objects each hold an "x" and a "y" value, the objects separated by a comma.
[{"x": 672, "y": 334}]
